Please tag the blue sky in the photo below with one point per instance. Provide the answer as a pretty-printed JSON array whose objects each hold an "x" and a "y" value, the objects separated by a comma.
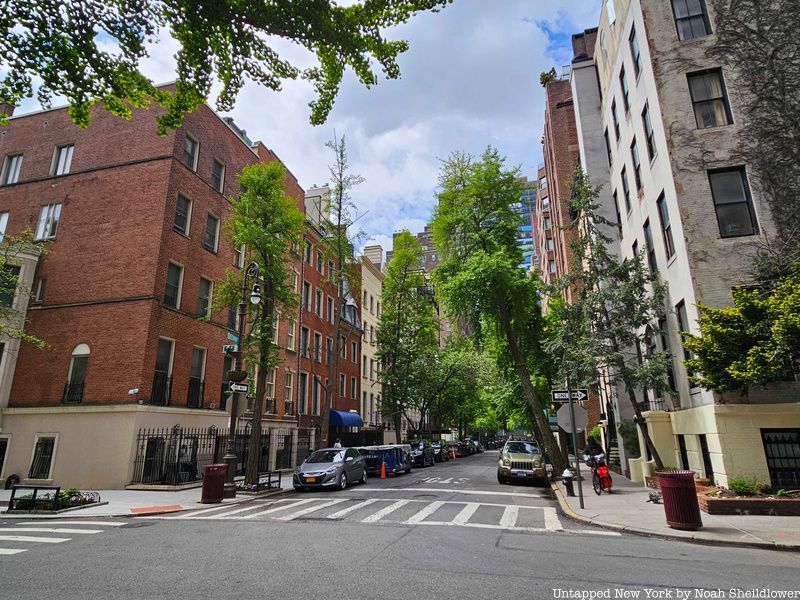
[{"x": 470, "y": 79}]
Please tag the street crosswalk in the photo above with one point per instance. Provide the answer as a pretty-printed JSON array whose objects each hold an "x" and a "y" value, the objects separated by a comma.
[
  {"x": 19, "y": 537},
  {"x": 397, "y": 511}
]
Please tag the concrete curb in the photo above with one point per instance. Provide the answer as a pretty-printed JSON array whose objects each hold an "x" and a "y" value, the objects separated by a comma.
[{"x": 566, "y": 509}]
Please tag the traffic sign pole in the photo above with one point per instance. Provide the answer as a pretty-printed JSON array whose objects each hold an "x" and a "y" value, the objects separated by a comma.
[{"x": 575, "y": 441}]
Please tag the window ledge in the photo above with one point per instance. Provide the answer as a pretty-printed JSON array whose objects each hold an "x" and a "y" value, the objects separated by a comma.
[{"x": 672, "y": 259}]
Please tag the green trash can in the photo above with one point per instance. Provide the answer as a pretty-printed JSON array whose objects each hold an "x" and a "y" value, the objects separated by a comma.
[
  {"x": 213, "y": 483},
  {"x": 680, "y": 500}
]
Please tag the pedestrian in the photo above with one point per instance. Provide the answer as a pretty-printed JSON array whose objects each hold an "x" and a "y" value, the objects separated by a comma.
[{"x": 338, "y": 443}]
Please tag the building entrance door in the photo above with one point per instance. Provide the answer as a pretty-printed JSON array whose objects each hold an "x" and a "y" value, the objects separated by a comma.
[{"x": 782, "y": 449}]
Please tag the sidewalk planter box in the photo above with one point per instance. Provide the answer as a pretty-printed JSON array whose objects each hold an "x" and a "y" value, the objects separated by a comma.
[
  {"x": 679, "y": 494},
  {"x": 771, "y": 507}
]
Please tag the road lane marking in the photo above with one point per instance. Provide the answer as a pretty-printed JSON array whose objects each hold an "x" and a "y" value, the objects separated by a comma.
[
  {"x": 309, "y": 510},
  {"x": 551, "y": 522},
  {"x": 384, "y": 511},
  {"x": 49, "y": 522},
  {"x": 204, "y": 511},
  {"x": 466, "y": 513},
  {"x": 30, "y": 538},
  {"x": 50, "y": 530},
  {"x": 485, "y": 526},
  {"x": 425, "y": 512},
  {"x": 277, "y": 508},
  {"x": 351, "y": 509},
  {"x": 6, "y": 551},
  {"x": 509, "y": 518},
  {"x": 455, "y": 491}
]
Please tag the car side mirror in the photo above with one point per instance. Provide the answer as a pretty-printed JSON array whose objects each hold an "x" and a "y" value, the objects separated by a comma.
[{"x": 348, "y": 459}]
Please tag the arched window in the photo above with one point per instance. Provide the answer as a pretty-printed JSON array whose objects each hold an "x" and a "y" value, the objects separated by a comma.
[{"x": 73, "y": 391}]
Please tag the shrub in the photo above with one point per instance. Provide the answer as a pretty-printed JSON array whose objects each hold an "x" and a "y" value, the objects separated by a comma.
[
  {"x": 595, "y": 433},
  {"x": 630, "y": 438},
  {"x": 745, "y": 486}
]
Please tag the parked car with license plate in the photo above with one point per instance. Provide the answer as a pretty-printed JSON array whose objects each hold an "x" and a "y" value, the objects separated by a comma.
[
  {"x": 440, "y": 452},
  {"x": 521, "y": 460},
  {"x": 422, "y": 453},
  {"x": 330, "y": 468}
]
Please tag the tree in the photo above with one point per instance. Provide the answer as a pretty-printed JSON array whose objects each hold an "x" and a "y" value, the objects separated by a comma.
[
  {"x": 89, "y": 51},
  {"x": 407, "y": 331},
  {"x": 475, "y": 229},
  {"x": 755, "y": 342},
  {"x": 611, "y": 321},
  {"x": 339, "y": 243},
  {"x": 12, "y": 323},
  {"x": 268, "y": 223}
]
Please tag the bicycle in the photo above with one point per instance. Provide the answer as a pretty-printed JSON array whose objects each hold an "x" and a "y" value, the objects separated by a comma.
[{"x": 601, "y": 478}]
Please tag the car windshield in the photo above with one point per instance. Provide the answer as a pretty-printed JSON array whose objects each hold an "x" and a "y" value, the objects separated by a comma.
[
  {"x": 522, "y": 448},
  {"x": 326, "y": 456}
]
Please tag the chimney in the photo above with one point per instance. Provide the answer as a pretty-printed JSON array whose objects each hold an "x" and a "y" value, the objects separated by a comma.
[{"x": 6, "y": 109}]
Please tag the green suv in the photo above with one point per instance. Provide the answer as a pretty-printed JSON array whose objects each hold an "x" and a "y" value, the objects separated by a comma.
[{"x": 521, "y": 460}]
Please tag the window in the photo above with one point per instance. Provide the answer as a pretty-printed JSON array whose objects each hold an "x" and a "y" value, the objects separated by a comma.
[
  {"x": 218, "y": 176},
  {"x": 306, "y": 296},
  {"x": 320, "y": 262},
  {"x": 635, "y": 248},
  {"x": 204, "y": 298},
  {"x": 547, "y": 223},
  {"x": 343, "y": 347},
  {"x": 302, "y": 393},
  {"x": 608, "y": 146},
  {"x": 276, "y": 323},
  {"x": 372, "y": 304},
  {"x": 48, "y": 221},
  {"x": 364, "y": 301},
  {"x": 636, "y": 55},
  {"x": 543, "y": 183},
  {"x": 330, "y": 267},
  {"x": 287, "y": 387},
  {"x": 190, "y": 148},
  {"x": 691, "y": 19},
  {"x": 238, "y": 260},
  {"x": 650, "y": 138},
  {"x": 353, "y": 352},
  {"x": 315, "y": 393},
  {"x": 665, "y": 346},
  {"x": 269, "y": 387},
  {"x": 378, "y": 308},
  {"x": 294, "y": 279},
  {"x": 615, "y": 119},
  {"x": 637, "y": 165},
  {"x": 551, "y": 246},
  {"x": 212, "y": 233},
  {"x": 551, "y": 266},
  {"x": 732, "y": 202},
  {"x": 683, "y": 324},
  {"x": 309, "y": 250},
  {"x": 11, "y": 169},
  {"x": 290, "y": 327},
  {"x": 364, "y": 365},
  {"x": 194, "y": 397},
  {"x": 612, "y": 14},
  {"x": 331, "y": 316},
  {"x": 328, "y": 351},
  {"x": 79, "y": 363},
  {"x": 651, "y": 250},
  {"x": 623, "y": 84},
  {"x": 353, "y": 388},
  {"x": 318, "y": 306},
  {"x": 342, "y": 384},
  {"x": 42, "y": 461},
  {"x": 3, "y": 224},
  {"x": 62, "y": 160},
  {"x": 666, "y": 228},
  {"x": 183, "y": 215},
  {"x": 41, "y": 284},
  {"x": 709, "y": 99},
  {"x": 626, "y": 190},
  {"x": 172, "y": 293},
  {"x": 616, "y": 211},
  {"x": 304, "y": 349}
]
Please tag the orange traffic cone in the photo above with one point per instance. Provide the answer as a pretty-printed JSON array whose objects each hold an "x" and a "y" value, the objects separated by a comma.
[{"x": 383, "y": 470}]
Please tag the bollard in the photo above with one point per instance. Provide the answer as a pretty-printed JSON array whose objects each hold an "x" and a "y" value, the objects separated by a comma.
[{"x": 568, "y": 476}]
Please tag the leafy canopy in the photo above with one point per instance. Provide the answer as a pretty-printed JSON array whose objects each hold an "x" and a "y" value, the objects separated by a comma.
[{"x": 89, "y": 51}]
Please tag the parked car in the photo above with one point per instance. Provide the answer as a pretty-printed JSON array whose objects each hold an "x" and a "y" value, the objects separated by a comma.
[
  {"x": 459, "y": 447},
  {"x": 330, "y": 468},
  {"x": 440, "y": 452},
  {"x": 395, "y": 458},
  {"x": 422, "y": 453},
  {"x": 521, "y": 460}
]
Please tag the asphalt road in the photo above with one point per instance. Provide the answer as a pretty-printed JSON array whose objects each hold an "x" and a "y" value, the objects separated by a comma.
[{"x": 449, "y": 531}]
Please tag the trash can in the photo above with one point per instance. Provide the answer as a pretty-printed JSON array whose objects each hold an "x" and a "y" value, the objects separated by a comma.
[
  {"x": 213, "y": 483},
  {"x": 680, "y": 500}
]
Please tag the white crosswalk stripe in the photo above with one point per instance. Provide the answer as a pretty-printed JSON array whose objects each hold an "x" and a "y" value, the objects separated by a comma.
[
  {"x": 305, "y": 511},
  {"x": 425, "y": 512},
  {"x": 373, "y": 518},
  {"x": 509, "y": 518},
  {"x": 350, "y": 509},
  {"x": 51, "y": 530},
  {"x": 33, "y": 539},
  {"x": 97, "y": 523},
  {"x": 19, "y": 536},
  {"x": 8, "y": 551}
]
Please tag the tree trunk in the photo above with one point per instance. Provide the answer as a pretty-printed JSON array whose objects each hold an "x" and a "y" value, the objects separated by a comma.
[
  {"x": 398, "y": 433},
  {"x": 545, "y": 435}
]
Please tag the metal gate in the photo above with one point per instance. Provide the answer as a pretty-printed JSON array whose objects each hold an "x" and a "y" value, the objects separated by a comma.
[
  {"x": 782, "y": 449},
  {"x": 283, "y": 454}
]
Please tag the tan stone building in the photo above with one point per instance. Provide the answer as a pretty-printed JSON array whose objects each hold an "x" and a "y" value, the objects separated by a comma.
[{"x": 371, "y": 290}]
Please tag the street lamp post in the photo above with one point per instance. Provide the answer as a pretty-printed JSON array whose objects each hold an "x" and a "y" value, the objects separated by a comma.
[{"x": 255, "y": 298}]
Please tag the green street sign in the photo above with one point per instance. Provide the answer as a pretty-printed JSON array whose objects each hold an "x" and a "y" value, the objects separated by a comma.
[
  {"x": 233, "y": 337},
  {"x": 230, "y": 349}
]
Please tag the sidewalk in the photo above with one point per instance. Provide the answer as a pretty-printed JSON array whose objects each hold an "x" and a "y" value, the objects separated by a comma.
[
  {"x": 627, "y": 509},
  {"x": 129, "y": 503}
]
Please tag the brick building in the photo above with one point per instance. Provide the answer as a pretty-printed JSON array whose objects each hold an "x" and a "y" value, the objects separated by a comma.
[{"x": 131, "y": 224}]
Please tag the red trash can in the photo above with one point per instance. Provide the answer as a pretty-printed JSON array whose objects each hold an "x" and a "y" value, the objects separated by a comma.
[
  {"x": 213, "y": 483},
  {"x": 680, "y": 499}
]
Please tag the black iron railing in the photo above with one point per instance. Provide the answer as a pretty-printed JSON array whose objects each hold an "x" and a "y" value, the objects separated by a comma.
[
  {"x": 283, "y": 453},
  {"x": 270, "y": 406},
  {"x": 194, "y": 397},
  {"x": 162, "y": 386},
  {"x": 288, "y": 407},
  {"x": 73, "y": 393},
  {"x": 657, "y": 404}
]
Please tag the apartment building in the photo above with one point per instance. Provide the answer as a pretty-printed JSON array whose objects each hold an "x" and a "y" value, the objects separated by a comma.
[
  {"x": 371, "y": 290},
  {"x": 658, "y": 122},
  {"x": 131, "y": 228},
  {"x": 526, "y": 208}
]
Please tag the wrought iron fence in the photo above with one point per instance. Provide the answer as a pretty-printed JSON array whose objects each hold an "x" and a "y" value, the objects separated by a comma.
[
  {"x": 283, "y": 454},
  {"x": 303, "y": 445}
]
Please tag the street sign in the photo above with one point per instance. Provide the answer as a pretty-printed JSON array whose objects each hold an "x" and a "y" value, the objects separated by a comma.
[
  {"x": 239, "y": 387},
  {"x": 233, "y": 337},
  {"x": 562, "y": 396},
  {"x": 230, "y": 348},
  {"x": 564, "y": 421}
]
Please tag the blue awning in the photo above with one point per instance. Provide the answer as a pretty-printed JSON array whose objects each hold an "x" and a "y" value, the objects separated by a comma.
[{"x": 340, "y": 418}]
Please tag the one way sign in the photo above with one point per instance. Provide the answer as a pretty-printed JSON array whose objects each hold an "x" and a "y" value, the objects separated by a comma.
[{"x": 577, "y": 395}]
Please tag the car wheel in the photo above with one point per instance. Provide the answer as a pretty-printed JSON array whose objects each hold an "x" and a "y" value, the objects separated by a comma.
[
  {"x": 342, "y": 481},
  {"x": 364, "y": 475},
  {"x": 408, "y": 470},
  {"x": 501, "y": 479}
]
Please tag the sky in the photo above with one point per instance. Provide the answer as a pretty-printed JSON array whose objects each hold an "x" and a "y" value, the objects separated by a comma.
[{"x": 470, "y": 79}]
